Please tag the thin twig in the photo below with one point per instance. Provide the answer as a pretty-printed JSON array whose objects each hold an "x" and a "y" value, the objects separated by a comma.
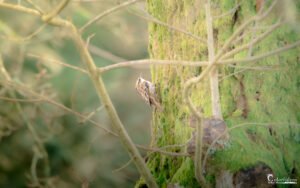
[
  {"x": 253, "y": 42},
  {"x": 242, "y": 28},
  {"x": 88, "y": 40},
  {"x": 123, "y": 166},
  {"x": 36, "y": 157},
  {"x": 245, "y": 68},
  {"x": 150, "y": 18},
  {"x": 57, "y": 62},
  {"x": 35, "y": 6},
  {"x": 230, "y": 12},
  {"x": 262, "y": 56},
  {"x": 19, "y": 100},
  {"x": 36, "y": 32},
  {"x": 31, "y": 128},
  {"x": 107, "y": 12},
  {"x": 92, "y": 113},
  {"x": 20, "y": 8},
  {"x": 158, "y": 150},
  {"x": 21, "y": 88},
  {"x": 54, "y": 21},
  {"x": 152, "y": 62},
  {"x": 105, "y": 54},
  {"x": 55, "y": 11}
]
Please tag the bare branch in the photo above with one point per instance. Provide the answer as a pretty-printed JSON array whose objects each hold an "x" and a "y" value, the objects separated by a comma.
[
  {"x": 253, "y": 42},
  {"x": 101, "y": 90},
  {"x": 150, "y": 18},
  {"x": 158, "y": 150},
  {"x": 33, "y": 166},
  {"x": 107, "y": 12},
  {"x": 194, "y": 80},
  {"x": 20, "y": 9},
  {"x": 58, "y": 62},
  {"x": 245, "y": 68},
  {"x": 35, "y": 6},
  {"x": 214, "y": 83},
  {"x": 36, "y": 32},
  {"x": 20, "y": 100},
  {"x": 123, "y": 166},
  {"x": 155, "y": 150},
  {"x": 54, "y": 21},
  {"x": 116, "y": 122},
  {"x": 262, "y": 56},
  {"x": 22, "y": 88},
  {"x": 105, "y": 54},
  {"x": 38, "y": 142},
  {"x": 152, "y": 62},
  {"x": 230, "y": 12},
  {"x": 92, "y": 113},
  {"x": 55, "y": 11},
  {"x": 242, "y": 28}
]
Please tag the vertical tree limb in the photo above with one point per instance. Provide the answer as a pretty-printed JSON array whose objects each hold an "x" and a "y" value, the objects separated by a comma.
[
  {"x": 214, "y": 82},
  {"x": 116, "y": 122}
]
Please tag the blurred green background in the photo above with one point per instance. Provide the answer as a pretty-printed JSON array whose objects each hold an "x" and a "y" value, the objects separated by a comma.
[{"x": 80, "y": 154}]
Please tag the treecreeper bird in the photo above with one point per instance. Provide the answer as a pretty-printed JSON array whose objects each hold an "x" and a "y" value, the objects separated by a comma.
[{"x": 148, "y": 92}]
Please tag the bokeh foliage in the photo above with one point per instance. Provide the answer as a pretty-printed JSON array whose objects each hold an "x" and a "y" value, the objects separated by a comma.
[{"x": 78, "y": 152}]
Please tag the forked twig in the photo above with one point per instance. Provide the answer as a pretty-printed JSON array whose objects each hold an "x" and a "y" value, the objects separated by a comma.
[{"x": 55, "y": 11}]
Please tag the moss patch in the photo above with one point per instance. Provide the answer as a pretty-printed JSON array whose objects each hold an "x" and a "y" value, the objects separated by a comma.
[{"x": 247, "y": 94}]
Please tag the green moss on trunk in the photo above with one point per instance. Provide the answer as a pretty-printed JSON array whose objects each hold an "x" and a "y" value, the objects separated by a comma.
[{"x": 253, "y": 96}]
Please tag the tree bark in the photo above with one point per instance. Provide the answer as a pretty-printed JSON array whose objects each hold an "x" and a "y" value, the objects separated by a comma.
[{"x": 263, "y": 96}]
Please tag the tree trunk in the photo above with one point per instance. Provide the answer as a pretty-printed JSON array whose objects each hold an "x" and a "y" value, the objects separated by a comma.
[{"x": 263, "y": 96}]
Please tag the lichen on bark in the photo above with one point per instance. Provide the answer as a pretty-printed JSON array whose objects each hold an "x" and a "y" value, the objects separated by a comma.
[{"x": 251, "y": 96}]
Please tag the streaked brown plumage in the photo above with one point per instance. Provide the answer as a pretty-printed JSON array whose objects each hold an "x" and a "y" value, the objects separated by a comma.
[{"x": 148, "y": 92}]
